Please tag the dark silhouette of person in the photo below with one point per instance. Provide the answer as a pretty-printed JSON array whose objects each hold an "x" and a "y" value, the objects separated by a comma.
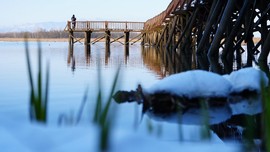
[{"x": 73, "y": 21}]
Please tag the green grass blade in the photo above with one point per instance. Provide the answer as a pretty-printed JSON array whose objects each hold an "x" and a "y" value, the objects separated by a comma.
[
  {"x": 105, "y": 112},
  {"x": 28, "y": 64},
  {"x": 98, "y": 107},
  {"x": 266, "y": 116},
  {"x": 32, "y": 106},
  {"x": 45, "y": 104},
  {"x": 39, "y": 107},
  {"x": 105, "y": 133},
  {"x": 82, "y": 106},
  {"x": 32, "y": 90},
  {"x": 38, "y": 99},
  {"x": 205, "y": 132}
]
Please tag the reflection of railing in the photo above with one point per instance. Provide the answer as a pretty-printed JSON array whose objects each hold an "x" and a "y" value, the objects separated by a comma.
[
  {"x": 105, "y": 25},
  {"x": 158, "y": 20}
]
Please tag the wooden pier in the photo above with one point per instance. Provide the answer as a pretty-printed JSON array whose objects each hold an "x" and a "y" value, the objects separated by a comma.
[
  {"x": 107, "y": 27},
  {"x": 201, "y": 34}
]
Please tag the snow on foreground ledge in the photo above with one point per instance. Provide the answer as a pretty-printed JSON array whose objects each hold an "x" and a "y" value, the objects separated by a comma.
[
  {"x": 34, "y": 137},
  {"x": 241, "y": 88},
  {"x": 247, "y": 78},
  {"x": 199, "y": 83},
  {"x": 193, "y": 84}
]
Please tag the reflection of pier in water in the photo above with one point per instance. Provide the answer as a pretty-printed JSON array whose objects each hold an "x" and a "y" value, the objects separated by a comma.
[
  {"x": 162, "y": 63},
  {"x": 119, "y": 56}
]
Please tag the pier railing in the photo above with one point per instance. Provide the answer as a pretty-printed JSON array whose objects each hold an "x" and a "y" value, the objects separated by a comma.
[{"x": 97, "y": 26}]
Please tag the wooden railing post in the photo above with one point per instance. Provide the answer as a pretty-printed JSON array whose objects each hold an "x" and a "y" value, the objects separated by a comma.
[
  {"x": 106, "y": 25},
  {"x": 87, "y": 25}
]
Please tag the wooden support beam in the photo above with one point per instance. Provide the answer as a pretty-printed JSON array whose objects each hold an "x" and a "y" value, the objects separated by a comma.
[
  {"x": 213, "y": 52},
  {"x": 127, "y": 43},
  {"x": 117, "y": 39},
  {"x": 107, "y": 40},
  {"x": 127, "y": 33},
  {"x": 264, "y": 55},
  {"x": 216, "y": 6},
  {"x": 265, "y": 37},
  {"x": 248, "y": 37},
  {"x": 71, "y": 41},
  {"x": 187, "y": 41},
  {"x": 98, "y": 39},
  {"x": 78, "y": 40},
  {"x": 162, "y": 36},
  {"x": 143, "y": 38},
  {"x": 228, "y": 51},
  {"x": 188, "y": 28},
  {"x": 138, "y": 37},
  {"x": 171, "y": 32},
  {"x": 87, "y": 41}
]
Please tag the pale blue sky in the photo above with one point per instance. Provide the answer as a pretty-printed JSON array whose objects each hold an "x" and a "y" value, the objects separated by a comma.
[{"x": 15, "y": 12}]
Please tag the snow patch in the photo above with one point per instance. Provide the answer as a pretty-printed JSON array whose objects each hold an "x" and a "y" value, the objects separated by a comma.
[
  {"x": 192, "y": 84},
  {"x": 247, "y": 78}
]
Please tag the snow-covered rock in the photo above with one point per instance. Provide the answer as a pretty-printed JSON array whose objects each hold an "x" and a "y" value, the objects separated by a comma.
[
  {"x": 245, "y": 95},
  {"x": 247, "y": 79},
  {"x": 193, "y": 84},
  {"x": 240, "y": 89}
]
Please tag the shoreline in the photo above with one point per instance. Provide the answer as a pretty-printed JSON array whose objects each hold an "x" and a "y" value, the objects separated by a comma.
[
  {"x": 34, "y": 39},
  {"x": 255, "y": 39}
]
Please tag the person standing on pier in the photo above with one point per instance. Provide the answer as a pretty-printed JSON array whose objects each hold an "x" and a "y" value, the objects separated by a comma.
[{"x": 73, "y": 21}]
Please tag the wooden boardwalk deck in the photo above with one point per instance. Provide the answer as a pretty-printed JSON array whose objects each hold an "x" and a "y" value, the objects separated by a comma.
[{"x": 88, "y": 27}]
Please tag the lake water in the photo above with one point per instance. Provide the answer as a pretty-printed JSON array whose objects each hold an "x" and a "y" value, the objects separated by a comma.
[
  {"x": 70, "y": 78},
  {"x": 67, "y": 85}
]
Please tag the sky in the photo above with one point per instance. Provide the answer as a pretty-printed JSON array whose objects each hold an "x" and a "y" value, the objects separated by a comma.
[{"x": 16, "y": 12}]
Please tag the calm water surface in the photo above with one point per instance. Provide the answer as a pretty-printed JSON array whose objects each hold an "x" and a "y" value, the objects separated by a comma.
[
  {"x": 69, "y": 78},
  {"x": 68, "y": 82}
]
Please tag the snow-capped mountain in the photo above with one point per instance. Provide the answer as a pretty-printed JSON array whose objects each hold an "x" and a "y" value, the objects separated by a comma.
[{"x": 33, "y": 27}]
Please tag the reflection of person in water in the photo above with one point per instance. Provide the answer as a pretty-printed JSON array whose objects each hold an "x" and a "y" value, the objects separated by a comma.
[{"x": 73, "y": 21}]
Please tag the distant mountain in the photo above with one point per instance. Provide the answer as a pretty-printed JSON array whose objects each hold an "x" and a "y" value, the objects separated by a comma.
[{"x": 34, "y": 27}]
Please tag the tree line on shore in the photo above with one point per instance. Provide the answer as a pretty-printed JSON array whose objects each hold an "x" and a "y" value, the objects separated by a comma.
[{"x": 58, "y": 34}]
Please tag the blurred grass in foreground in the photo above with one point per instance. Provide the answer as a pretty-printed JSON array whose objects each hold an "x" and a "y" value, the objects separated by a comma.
[
  {"x": 38, "y": 92},
  {"x": 102, "y": 117},
  {"x": 266, "y": 116},
  {"x": 39, "y": 100}
]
